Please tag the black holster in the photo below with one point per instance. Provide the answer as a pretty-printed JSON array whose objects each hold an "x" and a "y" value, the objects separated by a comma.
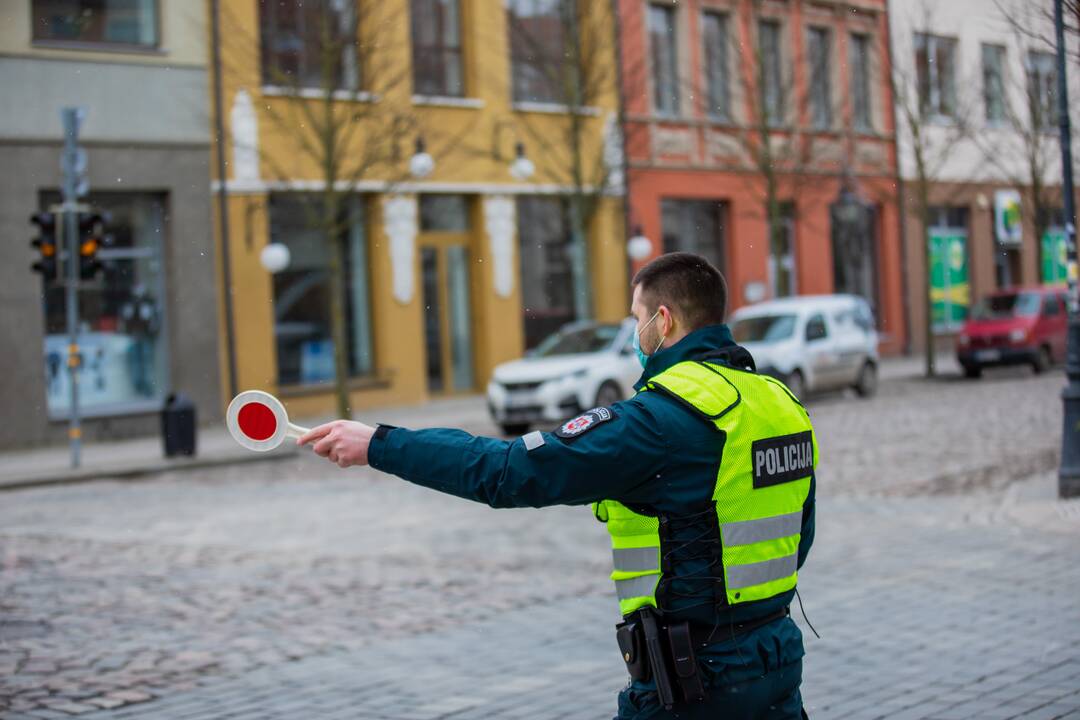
[{"x": 661, "y": 652}]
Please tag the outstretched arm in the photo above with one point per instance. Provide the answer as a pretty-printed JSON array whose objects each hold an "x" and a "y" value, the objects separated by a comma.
[{"x": 607, "y": 454}]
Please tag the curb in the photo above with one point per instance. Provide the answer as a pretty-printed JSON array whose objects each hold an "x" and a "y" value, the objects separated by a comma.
[{"x": 137, "y": 472}]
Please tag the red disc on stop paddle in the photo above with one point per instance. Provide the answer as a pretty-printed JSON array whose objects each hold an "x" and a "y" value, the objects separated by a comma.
[{"x": 257, "y": 421}]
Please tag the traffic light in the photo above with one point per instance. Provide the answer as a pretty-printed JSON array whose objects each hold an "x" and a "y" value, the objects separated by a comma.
[
  {"x": 45, "y": 244},
  {"x": 91, "y": 238}
]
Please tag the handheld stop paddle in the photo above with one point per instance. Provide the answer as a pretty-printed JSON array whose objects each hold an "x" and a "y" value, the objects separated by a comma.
[{"x": 258, "y": 421}]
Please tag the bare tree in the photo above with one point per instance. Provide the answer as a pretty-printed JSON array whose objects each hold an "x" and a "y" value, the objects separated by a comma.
[
  {"x": 934, "y": 115},
  {"x": 795, "y": 130},
  {"x": 1034, "y": 21},
  {"x": 339, "y": 108},
  {"x": 568, "y": 57},
  {"x": 1033, "y": 124}
]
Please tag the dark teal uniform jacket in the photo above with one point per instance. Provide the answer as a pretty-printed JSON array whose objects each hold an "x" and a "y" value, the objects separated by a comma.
[{"x": 658, "y": 458}]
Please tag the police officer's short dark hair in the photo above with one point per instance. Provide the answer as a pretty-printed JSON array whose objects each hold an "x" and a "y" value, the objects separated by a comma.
[{"x": 686, "y": 283}]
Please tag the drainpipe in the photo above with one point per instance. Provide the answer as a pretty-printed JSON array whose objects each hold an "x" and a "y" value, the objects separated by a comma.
[{"x": 223, "y": 206}]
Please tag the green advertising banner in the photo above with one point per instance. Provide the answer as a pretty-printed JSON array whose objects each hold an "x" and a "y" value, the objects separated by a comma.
[
  {"x": 1055, "y": 258},
  {"x": 950, "y": 290}
]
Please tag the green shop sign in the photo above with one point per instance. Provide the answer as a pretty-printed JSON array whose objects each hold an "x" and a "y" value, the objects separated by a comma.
[
  {"x": 1055, "y": 257},
  {"x": 950, "y": 289}
]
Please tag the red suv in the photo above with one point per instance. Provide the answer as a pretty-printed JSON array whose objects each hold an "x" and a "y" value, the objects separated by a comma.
[{"x": 1020, "y": 326}]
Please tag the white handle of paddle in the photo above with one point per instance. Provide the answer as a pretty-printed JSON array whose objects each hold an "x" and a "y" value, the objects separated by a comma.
[{"x": 295, "y": 431}]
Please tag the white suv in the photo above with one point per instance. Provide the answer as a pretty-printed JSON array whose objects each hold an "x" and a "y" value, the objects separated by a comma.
[
  {"x": 583, "y": 365},
  {"x": 812, "y": 342}
]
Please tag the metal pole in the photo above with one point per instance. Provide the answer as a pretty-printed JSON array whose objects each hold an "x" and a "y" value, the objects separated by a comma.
[
  {"x": 71, "y": 118},
  {"x": 223, "y": 196},
  {"x": 1069, "y": 473}
]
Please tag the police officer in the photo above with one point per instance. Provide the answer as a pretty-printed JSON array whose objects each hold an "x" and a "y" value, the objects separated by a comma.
[{"x": 705, "y": 480}]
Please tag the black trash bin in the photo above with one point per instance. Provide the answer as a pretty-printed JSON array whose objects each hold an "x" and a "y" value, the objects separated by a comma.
[{"x": 178, "y": 425}]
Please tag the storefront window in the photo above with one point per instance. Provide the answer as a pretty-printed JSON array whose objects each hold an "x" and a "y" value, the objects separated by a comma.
[
  {"x": 547, "y": 283},
  {"x": 305, "y": 348},
  {"x": 121, "y": 316}
]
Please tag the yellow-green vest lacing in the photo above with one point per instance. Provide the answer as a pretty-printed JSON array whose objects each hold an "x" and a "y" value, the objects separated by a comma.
[{"x": 759, "y": 527}]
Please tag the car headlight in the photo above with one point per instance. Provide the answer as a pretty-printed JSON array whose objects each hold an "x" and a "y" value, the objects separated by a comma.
[
  {"x": 579, "y": 374},
  {"x": 964, "y": 340},
  {"x": 1018, "y": 335}
]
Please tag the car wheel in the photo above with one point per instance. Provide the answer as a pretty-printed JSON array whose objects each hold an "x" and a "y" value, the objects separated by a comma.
[
  {"x": 866, "y": 384},
  {"x": 1043, "y": 361},
  {"x": 608, "y": 394},
  {"x": 973, "y": 372},
  {"x": 796, "y": 384},
  {"x": 514, "y": 428}
]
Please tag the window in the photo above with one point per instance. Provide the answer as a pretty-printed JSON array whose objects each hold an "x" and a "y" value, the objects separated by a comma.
[
  {"x": 771, "y": 73},
  {"x": 665, "y": 63},
  {"x": 819, "y": 52},
  {"x": 107, "y": 22},
  {"x": 121, "y": 313},
  {"x": 309, "y": 44},
  {"x": 781, "y": 263},
  {"x": 859, "y": 52},
  {"x": 536, "y": 49},
  {"x": 436, "y": 48},
  {"x": 815, "y": 328},
  {"x": 1051, "y": 306},
  {"x": 993, "y": 62},
  {"x": 935, "y": 70},
  {"x": 717, "y": 75},
  {"x": 305, "y": 348},
  {"x": 695, "y": 226},
  {"x": 444, "y": 213},
  {"x": 1042, "y": 90},
  {"x": 547, "y": 284}
]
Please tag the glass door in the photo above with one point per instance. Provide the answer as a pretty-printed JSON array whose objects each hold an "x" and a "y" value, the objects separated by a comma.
[{"x": 448, "y": 342}]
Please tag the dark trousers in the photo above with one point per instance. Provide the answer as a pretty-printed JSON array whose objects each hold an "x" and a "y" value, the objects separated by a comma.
[{"x": 773, "y": 696}]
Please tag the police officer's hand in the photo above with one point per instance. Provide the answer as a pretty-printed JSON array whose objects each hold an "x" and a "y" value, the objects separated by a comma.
[{"x": 344, "y": 442}]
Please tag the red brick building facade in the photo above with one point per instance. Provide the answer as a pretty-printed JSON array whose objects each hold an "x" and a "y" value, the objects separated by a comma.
[{"x": 727, "y": 98}]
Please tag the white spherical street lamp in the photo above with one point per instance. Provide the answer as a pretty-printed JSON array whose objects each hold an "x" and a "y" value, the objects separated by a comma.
[
  {"x": 522, "y": 168},
  {"x": 421, "y": 164},
  {"x": 639, "y": 247},
  {"x": 275, "y": 257}
]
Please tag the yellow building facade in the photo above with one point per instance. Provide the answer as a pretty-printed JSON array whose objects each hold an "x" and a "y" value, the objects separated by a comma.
[{"x": 426, "y": 117}]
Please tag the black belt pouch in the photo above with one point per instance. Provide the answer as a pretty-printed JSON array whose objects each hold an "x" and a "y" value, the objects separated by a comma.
[{"x": 632, "y": 647}]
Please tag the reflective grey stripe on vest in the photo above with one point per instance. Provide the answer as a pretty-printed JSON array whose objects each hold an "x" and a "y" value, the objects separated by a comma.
[
  {"x": 741, "y": 576},
  {"x": 636, "y": 559},
  {"x": 747, "y": 532},
  {"x": 636, "y": 587}
]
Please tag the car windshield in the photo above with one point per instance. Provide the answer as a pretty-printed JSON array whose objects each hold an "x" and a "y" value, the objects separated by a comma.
[
  {"x": 763, "y": 328},
  {"x": 998, "y": 307},
  {"x": 578, "y": 340}
]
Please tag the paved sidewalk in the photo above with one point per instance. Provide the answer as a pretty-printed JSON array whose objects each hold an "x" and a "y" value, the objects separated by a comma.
[
  {"x": 940, "y": 609},
  {"x": 144, "y": 456}
]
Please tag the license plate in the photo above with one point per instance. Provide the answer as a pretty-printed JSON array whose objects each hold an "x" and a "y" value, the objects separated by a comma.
[
  {"x": 518, "y": 399},
  {"x": 987, "y": 355}
]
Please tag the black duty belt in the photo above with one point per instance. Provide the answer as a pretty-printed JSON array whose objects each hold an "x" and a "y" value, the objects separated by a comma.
[
  {"x": 666, "y": 651},
  {"x": 703, "y": 635}
]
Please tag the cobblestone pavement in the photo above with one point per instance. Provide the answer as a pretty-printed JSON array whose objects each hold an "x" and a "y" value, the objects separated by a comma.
[{"x": 291, "y": 589}]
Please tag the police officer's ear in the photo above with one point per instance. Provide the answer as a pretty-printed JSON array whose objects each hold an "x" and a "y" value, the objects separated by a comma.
[{"x": 665, "y": 321}]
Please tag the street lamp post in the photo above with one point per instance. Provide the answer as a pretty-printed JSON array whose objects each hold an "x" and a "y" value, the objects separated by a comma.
[{"x": 1069, "y": 473}]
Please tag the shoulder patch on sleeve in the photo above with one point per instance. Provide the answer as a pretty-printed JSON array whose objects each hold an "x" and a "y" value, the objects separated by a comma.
[
  {"x": 533, "y": 440},
  {"x": 584, "y": 423}
]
